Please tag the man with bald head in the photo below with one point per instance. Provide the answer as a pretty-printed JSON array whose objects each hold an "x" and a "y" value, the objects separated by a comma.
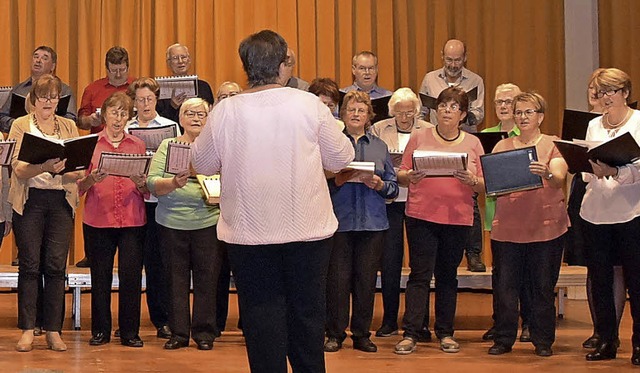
[
  {"x": 43, "y": 61},
  {"x": 294, "y": 82},
  {"x": 179, "y": 61},
  {"x": 453, "y": 73}
]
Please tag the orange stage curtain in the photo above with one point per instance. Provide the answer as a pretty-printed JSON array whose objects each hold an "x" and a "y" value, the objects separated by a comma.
[
  {"x": 619, "y": 27},
  {"x": 507, "y": 41}
]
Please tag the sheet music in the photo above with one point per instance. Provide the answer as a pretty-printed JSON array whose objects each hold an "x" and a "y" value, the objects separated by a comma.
[
  {"x": 118, "y": 164},
  {"x": 211, "y": 187},
  {"x": 178, "y": 157},
  {"x": 6, "y": 151},
  {"x": 363, "y": 171},
  {"x": 5, "y": 93},
  {"x": 434, "y": 163},
  {"x": 181, "y": 84},
  {"x": 153, "y": 136}
]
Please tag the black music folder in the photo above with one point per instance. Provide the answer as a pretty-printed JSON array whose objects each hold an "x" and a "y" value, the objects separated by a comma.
[
  {"x": 490, "y": 139},
  {"x": 616, "y": 152},
  {"x": 18, "y": 108},
  {"x": 508, "y": 171},
  {"x": 78, "y": 150},
  {"x": 575, "y": 123},
  {"x": 380, "y": 107}
]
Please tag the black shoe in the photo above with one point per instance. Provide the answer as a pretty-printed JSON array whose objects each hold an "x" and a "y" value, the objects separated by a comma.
[
  {"x": 99, "y": 339},
  {"x": 499, "y": 349},
  {"x": 424, "y": 335},
  {"x": 591, "y": 342},
  {"x": 83, "y": 263},
  {"x": 174, "y": 344},
  {"x": 489, "y": 334},
  {"x": 15, "y": 262},
  {"x": 386, "y": 331},
  {"x": 604, "y": 351},
  {"x": 525, "y": 336},
  {"x": 133, "y": 342},
  {"x": 544, "y": 351},
  {"x": 37, "y": 331},
  {"x": 332, "y": 345},
  {"x": 116, "y": 334},
  {"x": 474, "y": 263},
  {"x": 205, "y": 345},
  {"x": 635, "y": 357},
  {"x": 164, "y": 332},
  {"x": 364, "y": 344}
]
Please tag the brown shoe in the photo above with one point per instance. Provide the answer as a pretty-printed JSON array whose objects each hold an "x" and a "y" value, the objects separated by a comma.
[
  {"x": 25, "y": 344},
  {"x": 55, "y": 342}
]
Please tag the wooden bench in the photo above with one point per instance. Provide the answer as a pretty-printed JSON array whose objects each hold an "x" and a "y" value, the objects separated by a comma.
[{"x": 80, "y": 278}]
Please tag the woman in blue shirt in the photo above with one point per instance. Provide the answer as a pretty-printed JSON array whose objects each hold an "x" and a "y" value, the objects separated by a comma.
[{"x": 359, "y": 204}]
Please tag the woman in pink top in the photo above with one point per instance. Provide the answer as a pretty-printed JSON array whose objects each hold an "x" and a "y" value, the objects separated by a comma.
[
  {"x": 439, "y": 218},
  {"x": 114, "y": 218},
  {"x": 527, "y": 234}
]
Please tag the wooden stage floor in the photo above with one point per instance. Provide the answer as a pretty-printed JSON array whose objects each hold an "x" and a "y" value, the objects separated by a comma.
[{"x": 228, "y": 355}]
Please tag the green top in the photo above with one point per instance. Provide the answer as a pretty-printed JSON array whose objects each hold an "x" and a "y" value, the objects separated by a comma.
[
  {"x": 490, "y": 202},
  {"x": 184, "y": 208}
]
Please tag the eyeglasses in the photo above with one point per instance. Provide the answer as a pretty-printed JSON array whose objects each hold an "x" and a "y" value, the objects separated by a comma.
[
  {"x": 357, "y": 111},
  {"x": 366, "y": 69},
  {"x": 450, "y": 60},
  {"x": 507, "y": 102},
  {"x": 118, "y": 113},
  {"x": 143, "y": 100},
  {"x": 611, "y": 92},
  {"x": 528, "y": 113},
  {"x": 192, "y": 114},
  {"x": 120, "y": 70},
  {"x": 406, "y": 114},
  {"x": 49, "y": 99},
  {"x": 179, "y": 57},
  {"x": 222, "y": 96},
  {"x": 452, "y": 108}
]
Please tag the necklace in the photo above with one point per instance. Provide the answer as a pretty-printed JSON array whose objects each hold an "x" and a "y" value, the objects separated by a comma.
[
  {"x": 626, "y": 117},
  {"x": 56, "y": 126},
  {"x": 446, "y": 139},
  {"x": 117, "y": 141},
  {"x": 530, "y": 142}
]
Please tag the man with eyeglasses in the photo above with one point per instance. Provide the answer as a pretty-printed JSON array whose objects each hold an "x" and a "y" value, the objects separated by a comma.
[
  {"x": 453, "y": 73},
  {"x": 179, "y": 61},
  {"x": 294, "y": 82},
  {"x": 43, "y": 61},
  {"x": 117, "y": 64},
  {"x": 364, "y": 67}
]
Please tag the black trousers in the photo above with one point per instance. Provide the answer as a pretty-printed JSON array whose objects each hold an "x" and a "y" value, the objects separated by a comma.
[
  {"x": 282, "y": 290},
  {"x": 187, "y": 253},
  {"x": 524, "y": 296},
  {"x": 222, "y": 293},
  {"x": 103, "y": 243},
  {"x": 539, "y": 262},
  {"x": 605, "y": 243},
  {"x": 434, "y": 250},
  {"x": 43, "y": 233},
  {"x": 353, "y": 270},
  {"x": 157, "y": 288},
  {"x": 475, "y": 234},
  {"x": 391, "y": 272}
]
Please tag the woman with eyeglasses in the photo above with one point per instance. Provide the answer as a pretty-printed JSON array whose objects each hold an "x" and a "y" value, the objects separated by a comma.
[
  {"x": 404, "y": 108},
  {"x": 226, "y": 90},
  {"x": 145, "y": 92},
  {"x": 44, "y": 203},
  {"x": 528, "y": 246},
  {"x": 439, "y": 214},
  {"x": 188, "y": 240},
  {"x": 359, "y": 204},
  {"x": 114, "y": 219},
  {"x": 611, "y": 210}
]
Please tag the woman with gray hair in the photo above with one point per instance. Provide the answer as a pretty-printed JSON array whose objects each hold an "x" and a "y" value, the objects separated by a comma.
[
  {"x": 404, "y": 108},
  {"x": 187, "y": 236},
  {"x": 272, "y": 144}
]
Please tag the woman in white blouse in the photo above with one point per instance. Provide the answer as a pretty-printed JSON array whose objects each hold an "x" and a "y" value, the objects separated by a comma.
[{"x": 611, "y": 209}]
